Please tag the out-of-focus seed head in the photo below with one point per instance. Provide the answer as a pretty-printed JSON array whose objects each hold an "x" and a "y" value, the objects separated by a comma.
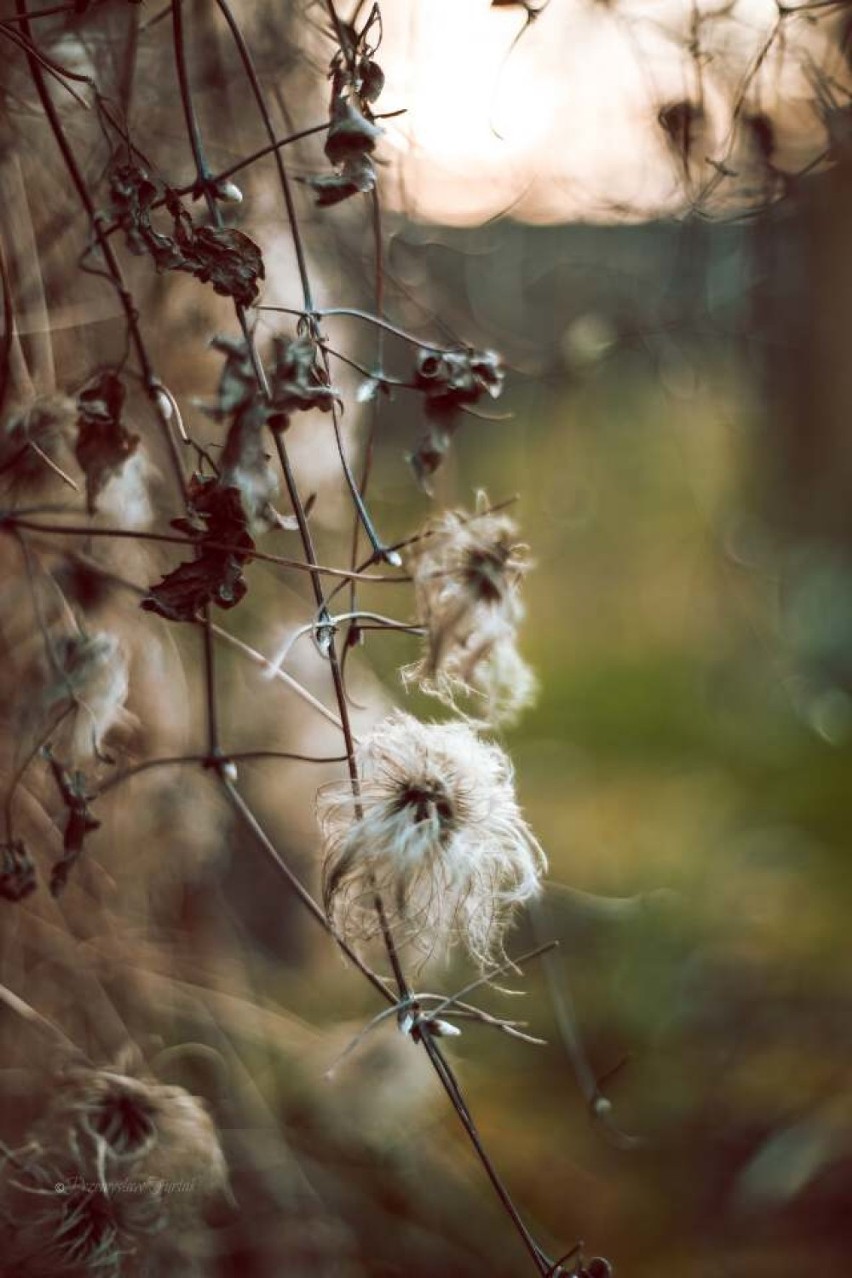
[
  {"x": 89, "y": 673},
  {"x": 152, "y": 1131},
  {"x": 467, "y": 574}
]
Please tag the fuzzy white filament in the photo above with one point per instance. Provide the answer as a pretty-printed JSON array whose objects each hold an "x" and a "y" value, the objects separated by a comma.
[
  {"x": 467, "y": 575},
  {"x": 91, "y": 674},
  {"x": 436, "y": 831}
]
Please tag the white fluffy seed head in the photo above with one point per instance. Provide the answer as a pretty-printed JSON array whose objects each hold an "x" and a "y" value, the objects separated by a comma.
[
  {"x": 436, "y": 832},
  {"x": 467, "y": 574}
]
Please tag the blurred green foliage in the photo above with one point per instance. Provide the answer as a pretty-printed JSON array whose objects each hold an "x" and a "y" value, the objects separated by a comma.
[{"x": 673, "y": 747}]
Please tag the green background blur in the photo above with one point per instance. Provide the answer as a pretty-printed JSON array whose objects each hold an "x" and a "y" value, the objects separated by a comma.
[{"x": 682, "y": 483}]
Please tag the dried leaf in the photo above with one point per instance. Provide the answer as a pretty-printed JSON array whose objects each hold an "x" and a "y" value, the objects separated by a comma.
[
  {"x": 226, "y": 258},
  {"x": 103, "y": 442},
  {"x": 238, "y": 382},
  {"x": 245, "y": 462},
  {"x": 133, "y": 193},
  {"x": 450, "y": 381},
  {"x": 298, "y": 381},
  {"x": 357, "y": 178},
  {"x": 216, "y": 515},
  {"x": 455, "y": 379},
  {"x": 214, "y": 577},
  {"x": 352, "y": 133}
]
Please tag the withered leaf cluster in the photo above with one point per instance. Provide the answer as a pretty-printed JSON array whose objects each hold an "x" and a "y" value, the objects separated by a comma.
[
  {"x": 351, "y": 141},
  {"x": 357, "y": 81},
  {"x": 104, "y": 443},
  {"x": 450, "y": 381},
  {"x": 222, "y": 508},
  {"x": 216, "y": 521},
  {"x": 222, "y": 256},
  {"x": 245, "y": 461},
  {"x": 298, "y": 381},
  {"x": 17, "y": 870}
]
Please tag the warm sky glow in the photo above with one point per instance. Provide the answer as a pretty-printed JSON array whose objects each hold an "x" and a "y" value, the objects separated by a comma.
[{"x": 565, "y": 125}]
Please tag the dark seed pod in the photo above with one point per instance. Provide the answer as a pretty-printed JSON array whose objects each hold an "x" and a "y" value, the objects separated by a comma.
[
  {"x": 372, "y": 79},
  {"x": 429, "y": 366}
]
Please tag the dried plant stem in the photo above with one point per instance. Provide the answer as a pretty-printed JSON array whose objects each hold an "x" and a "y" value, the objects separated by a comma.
[
  {"x": 557, "y": 986},
  {"x": 379, "y": 551},
  {"x": 451, "y": 1087},
  {"x": 11, "y": 520},
  {"x": 232, "y": 756},
  {"x": 337, "y": 681},
  {"x": 369, "y": 445},
  {"x": 21, "y": 1008},
  {"x": 114, "y": 272},
  {"x": 239, "y": 804},
  {"x": 204, "y": 178},
  {"x": 351, "y": 311},
  {"x": 257, "y": 92},
  {"x": 286, "y": 190},
  {"x": 284, "y": 677}
]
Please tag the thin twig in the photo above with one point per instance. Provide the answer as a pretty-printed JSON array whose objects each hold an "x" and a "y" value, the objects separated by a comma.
[
  {"x": 29, "y": 1014},
  {"x": 10, "y": 520},
  {"x": 239, "y": 804},
  {"x": 354, "y": 313},
  {"x": 113, "y": 270},
  {"x": 231, "y": 756}
]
